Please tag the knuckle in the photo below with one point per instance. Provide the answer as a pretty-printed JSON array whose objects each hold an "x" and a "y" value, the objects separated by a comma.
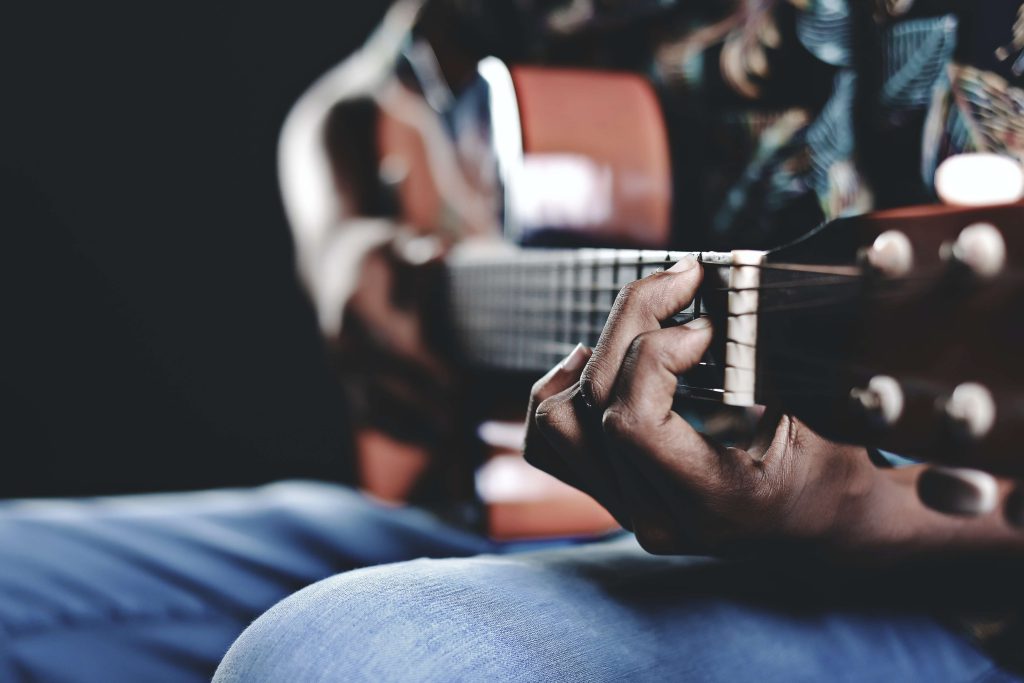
[
  {"x": 618, "y": 422},
  {"x": 627, "y": 294},
  {"x": 639, "y": 347},
  {"x": 592, "y": 385},
  {"x": 543, "y": 415},
  {"x": 645, "y": 348},
  {"x": 635, "y": 295},
  {"x": 551, "y": 415},
  {"x": 645, "y": 297}
]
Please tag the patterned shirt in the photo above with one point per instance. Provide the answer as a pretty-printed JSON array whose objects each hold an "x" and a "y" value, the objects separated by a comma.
[
  {"x": 798, "y": 111},
  {"x": 794, "y": 111}
]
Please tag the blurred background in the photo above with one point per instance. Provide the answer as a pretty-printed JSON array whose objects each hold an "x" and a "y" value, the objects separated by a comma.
[{"x": 155, "y": 335}]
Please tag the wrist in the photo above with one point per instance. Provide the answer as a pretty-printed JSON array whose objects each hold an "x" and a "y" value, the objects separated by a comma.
[{"x": 862, "y": 527}]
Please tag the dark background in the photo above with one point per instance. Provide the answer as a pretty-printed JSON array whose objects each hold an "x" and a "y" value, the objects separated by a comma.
[{"x": 155, "y": 336}]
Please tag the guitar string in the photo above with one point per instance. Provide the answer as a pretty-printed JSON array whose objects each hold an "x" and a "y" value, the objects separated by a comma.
[
  {"x": 538, "y": 355},
  {"x": 594, "y": 309},
  {"x": 811, "y": 383},
  {"x": 553, "y": 305}
]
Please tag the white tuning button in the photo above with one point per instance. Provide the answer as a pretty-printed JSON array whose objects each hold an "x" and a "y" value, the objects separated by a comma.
[
  {"x": 972, "y": 407},
  {"x": 981, "y": 248},
  {"x": 979, "y": 180},
  {"x": 891, "y": 254},
  {"x": 883, "y": 398},
  {"x": 958, "y": 491}
]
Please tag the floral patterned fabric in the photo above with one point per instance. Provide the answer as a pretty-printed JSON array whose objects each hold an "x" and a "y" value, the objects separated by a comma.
[
  {"x": 807, "y": 110},
  {"x": 803, "y": 110}
]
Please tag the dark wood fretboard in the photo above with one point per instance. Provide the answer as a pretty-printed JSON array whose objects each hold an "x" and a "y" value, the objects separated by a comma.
[{"x": 525, "y": 309}]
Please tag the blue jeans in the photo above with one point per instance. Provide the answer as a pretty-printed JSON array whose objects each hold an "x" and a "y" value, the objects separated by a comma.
[
  {"x": 607, "y": 612},
  {"x": 156, "y": 588}
]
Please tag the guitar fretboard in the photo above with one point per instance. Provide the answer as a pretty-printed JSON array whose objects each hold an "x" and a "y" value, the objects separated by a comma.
[{"x": 525, "y": 309}]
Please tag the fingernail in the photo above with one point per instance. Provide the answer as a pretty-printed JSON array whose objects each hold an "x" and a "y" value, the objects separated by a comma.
[
  {"x": 576, "y": 359},
  {"x": 1015, "y": 508},
  {"x": 958, "y": 491},
  {"x": 702, "y": 323},
  {"x": 684, "y": 264}
]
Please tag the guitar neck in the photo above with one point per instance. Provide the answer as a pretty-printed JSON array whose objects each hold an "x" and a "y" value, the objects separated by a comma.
[
  {"x": 525, "y": 309},
  {"x": 855, "y": 328}
]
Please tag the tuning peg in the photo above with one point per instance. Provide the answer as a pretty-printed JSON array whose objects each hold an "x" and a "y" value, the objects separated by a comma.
[
  {"x": 971, "y": 409},
  {"x": 891, "y": 254},
  {"x": 958, "y": 491},
  {"x": 882, "y": 399},
  {"x": 979, "y": 180},
  {"x": 980, "y": 248}
]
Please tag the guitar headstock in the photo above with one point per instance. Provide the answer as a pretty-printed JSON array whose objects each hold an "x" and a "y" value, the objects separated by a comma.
[{"x": 903, "y": 329}]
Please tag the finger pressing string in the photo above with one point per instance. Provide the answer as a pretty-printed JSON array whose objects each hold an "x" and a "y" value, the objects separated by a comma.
[
  {"x": 640, "y": 307},
  {"x": 640, "y": 420}
]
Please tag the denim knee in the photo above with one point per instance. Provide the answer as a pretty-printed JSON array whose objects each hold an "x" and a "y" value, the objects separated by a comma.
[
  {"x": 423, "y": 620},
  {"x": 588, "y": 614}
]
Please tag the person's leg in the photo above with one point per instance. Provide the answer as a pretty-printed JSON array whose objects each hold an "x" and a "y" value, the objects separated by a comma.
[
  {"x": 598, "y": 613},
  {"x": 155, "y": 588}
]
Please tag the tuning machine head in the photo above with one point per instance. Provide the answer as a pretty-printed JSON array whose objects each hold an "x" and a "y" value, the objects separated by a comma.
[
  {"x": 957, "y": 491},
  {"x": 882, "y": 400},
  {"x": 970, "y": 411},
  {"x": 890, "y": 255},
  {"x": 979, "y": 248}
]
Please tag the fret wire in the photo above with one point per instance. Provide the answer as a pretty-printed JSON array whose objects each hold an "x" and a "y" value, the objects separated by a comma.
[
  {"x": 600, "y": 310},
  {"x": 586, "y": 289},
  {"x": 577, "y": 281},
  {"x": 565, "y": 280},
  {"x": 559, "y": 349},
  {"x": 533, "y": 326},
  {"x": 536, "y": 310},
  {"x": 626, "y": 255},
  {"x": 836, "y": 272},
  {"x": 798, "y": 284}
]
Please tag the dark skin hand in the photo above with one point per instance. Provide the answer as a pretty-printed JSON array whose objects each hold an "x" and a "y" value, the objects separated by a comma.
[{"x": 603, "y": 421}]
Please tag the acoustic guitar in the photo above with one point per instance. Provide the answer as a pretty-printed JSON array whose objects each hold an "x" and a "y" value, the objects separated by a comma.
[{"x": 899, "y": 329}]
